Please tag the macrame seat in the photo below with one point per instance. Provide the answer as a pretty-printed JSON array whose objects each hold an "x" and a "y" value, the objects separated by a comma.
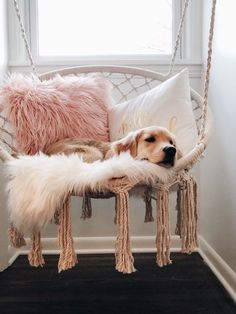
[{"x": 129, "y": 82}]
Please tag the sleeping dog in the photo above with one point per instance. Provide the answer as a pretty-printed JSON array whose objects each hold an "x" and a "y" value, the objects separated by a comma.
[{"x": 155, "y": 144}]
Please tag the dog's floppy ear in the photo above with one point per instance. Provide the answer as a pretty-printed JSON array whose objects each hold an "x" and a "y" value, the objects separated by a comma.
[{"x": 128, "y": 143}]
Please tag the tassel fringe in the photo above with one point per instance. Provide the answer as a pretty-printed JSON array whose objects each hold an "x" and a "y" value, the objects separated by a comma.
[
  {"x": 186, "y": 226},
  {"x": 35, "y": 256},
  {"x": 56, "y": 217},
  {"x": 123, "y": 253},
  {"x": 178, "y": 207},
  {"x": 148, "y": 203},
  {"x": 86, "y": 207},
  {"x": 187, "y": 214},
  {"x": 116, "y": 209},
  {"x": 15, "y": 237},
  {"x": 163, "y": 227},
  {"x": 68, "y": 257}
]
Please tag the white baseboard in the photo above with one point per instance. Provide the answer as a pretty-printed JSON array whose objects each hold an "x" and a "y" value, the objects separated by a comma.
[
  {"x": 12, "y": 254},
  {"x": 101, "y": 245},
  {"x": 219, "y": 267}
]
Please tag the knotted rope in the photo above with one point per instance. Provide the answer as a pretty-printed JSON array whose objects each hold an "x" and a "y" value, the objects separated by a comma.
[
  {"x": 86, "y": 207},
  {"x": 163, "y": 227},
  {"x": 187, "y": 216},
  {"x": 23, "y": 34},
  {"x": 35, "y": 256},
  {"x": 15, "y": 237},
  {"x": 178, "y": 207},
  {"x": 148, "y": 204},
  {"x": 123, "y": 254},
  {"x": 208, "y": 69},
  {"x": 178, "y": 37},
  {"x": 116, "y": 208},
  {"x": 68, "y": 257}
]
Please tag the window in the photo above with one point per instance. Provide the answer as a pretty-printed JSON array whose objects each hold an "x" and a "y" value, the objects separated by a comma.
[
  {"x": 129, "y": 32},
  {"x": 73, "y": 28}
]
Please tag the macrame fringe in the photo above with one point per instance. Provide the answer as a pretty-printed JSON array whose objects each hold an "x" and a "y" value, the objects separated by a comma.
[
  {"x": 123, "y": 253},
  {"x": 124, "y": 258},
  {"x": 15, "y": 237},
  {"x": 35, "y": 256},
  {"x": 116, "y": 209},
  {"x": 187, "y": 215},
  {"x": 68, "y": 257},
  {"x": 178, "y": 210},
  {"x": 56, "y": 217},
  {"x": 163, "y": 227},
  {"x": 86, "y": 207},
  {"x": 148, "y": 203}
]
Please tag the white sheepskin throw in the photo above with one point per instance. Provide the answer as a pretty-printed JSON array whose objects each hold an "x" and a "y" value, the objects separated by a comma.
[{"x": 38, "y": 185}]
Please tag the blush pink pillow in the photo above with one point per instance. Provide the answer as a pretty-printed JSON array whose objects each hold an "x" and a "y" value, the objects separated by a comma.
[{"x": 44, "y": 112}]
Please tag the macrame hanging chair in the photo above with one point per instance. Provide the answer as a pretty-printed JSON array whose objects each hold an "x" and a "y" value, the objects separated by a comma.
[{"x": 186, "y": 206}]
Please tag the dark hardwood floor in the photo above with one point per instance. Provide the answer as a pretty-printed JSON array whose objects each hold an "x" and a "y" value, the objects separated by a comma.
[{"x": 187, "y": 286}]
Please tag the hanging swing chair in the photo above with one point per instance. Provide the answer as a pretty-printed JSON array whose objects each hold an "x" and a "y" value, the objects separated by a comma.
[{"x": 119, "y": 187}]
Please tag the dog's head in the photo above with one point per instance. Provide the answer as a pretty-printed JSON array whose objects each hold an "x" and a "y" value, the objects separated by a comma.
[{"x": 155, "y": 144}]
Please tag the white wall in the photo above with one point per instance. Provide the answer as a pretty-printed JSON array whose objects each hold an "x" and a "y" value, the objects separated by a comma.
[
  {"x": 3, "y": 70},
  {"x": 3, "y": 39},
  {"x": 218, "y": 170}
]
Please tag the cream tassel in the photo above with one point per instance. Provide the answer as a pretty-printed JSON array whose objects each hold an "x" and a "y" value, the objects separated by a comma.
[
  {"x": 163, "y": 227},
  {"x": 116, "y": 209},
  {"x": 35, "y": 256},
  {"x": 148, "y": 203},
  {"x": 56, "y": 217},
  {"x": 15, "y": 237},
  {"x": 123, "y": 255},
  {"x": 68, "y": 257},
  {"x": 86, "y": 207},
  {"x": 179, "y": 201},
  {"x": 189, "y": 216}
]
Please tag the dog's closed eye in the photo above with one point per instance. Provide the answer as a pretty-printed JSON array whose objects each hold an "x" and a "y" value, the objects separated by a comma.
[{"x": 150, "y": 139}]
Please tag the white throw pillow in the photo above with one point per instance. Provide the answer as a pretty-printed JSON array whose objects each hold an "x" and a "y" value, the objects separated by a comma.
[{"x": 168, "y": 105}]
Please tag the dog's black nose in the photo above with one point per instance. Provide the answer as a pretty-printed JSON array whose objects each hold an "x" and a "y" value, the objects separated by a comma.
[{"x": 170, "y": 151}]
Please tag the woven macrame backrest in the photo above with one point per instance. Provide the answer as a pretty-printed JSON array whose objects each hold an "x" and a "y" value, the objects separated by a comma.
[{"x": 129, "y": 82}]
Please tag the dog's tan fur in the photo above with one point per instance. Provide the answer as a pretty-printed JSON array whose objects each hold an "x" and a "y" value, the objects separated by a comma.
[
  {"x": 90, "y": 150},
  {"x": 135, "y": 142}
]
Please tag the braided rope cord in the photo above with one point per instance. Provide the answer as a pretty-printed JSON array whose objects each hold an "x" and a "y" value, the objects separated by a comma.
[
  {"x": 23, "y": 33},
  {"x": 178, "y": 37},
  {"x": 208, "y": 69}
]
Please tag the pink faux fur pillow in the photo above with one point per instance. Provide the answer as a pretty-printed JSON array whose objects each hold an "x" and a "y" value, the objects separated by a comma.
[{"x": 45, "y": 112}]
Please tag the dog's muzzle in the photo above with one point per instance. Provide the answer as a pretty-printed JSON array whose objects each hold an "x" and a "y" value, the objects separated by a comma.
[{"x": 170, "y": 152}]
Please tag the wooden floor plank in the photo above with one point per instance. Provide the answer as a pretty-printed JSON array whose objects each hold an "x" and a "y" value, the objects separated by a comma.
[{"x": 187, "y": 286}]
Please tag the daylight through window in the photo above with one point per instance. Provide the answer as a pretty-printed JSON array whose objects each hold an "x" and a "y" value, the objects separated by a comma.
[{"x": 104, "y": 27}]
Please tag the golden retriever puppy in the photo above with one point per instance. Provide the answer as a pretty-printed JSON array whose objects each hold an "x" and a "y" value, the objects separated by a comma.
[{"x": 155, "y": 144}]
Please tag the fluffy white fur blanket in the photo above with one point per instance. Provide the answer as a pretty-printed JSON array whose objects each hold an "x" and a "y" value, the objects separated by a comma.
[{"x": 37, "y": 185}]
